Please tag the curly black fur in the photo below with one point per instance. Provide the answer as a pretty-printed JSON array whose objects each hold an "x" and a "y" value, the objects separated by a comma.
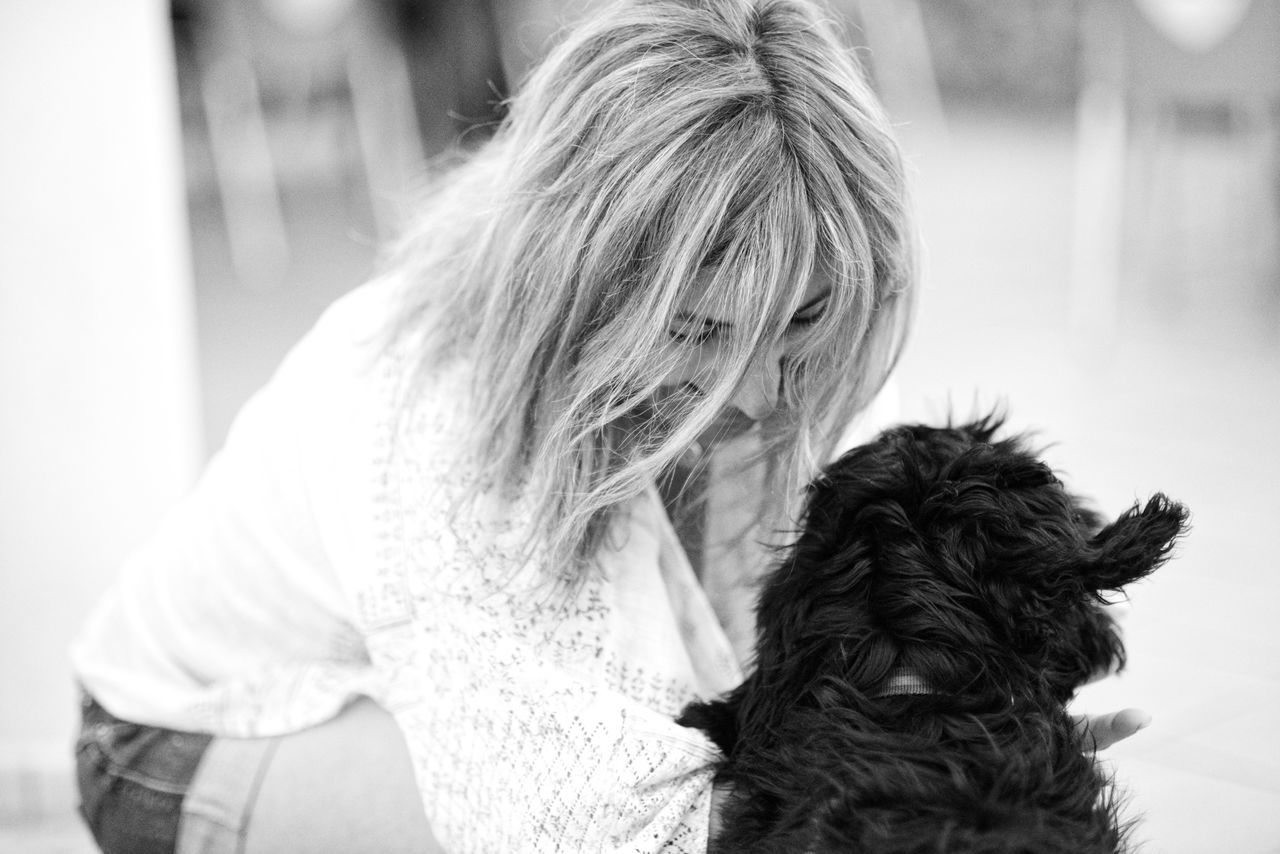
[{"x": 960, "y": 559}]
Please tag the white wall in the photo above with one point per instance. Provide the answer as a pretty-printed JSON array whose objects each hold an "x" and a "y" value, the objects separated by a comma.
[{"x": 98, "y": 395}]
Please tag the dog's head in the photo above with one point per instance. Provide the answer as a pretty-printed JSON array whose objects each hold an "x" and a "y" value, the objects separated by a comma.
[
  {"x": 916, "y": 646},
  {"x": 958, "y": 562}
]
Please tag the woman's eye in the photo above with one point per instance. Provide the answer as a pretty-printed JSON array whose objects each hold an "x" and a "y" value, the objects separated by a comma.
[
  {"x": 808, "y": 318},
  {"x": 693, "y": 337},
  {"x": 810, "y": 314}
]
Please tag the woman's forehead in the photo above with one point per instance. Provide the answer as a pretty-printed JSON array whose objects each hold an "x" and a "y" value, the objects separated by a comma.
[{"x": 699, "y": 299}]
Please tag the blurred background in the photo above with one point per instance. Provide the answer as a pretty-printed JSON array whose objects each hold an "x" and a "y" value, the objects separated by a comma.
[{"x": 187, "y": 185}]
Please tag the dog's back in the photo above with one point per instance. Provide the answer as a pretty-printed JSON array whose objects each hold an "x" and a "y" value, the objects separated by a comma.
[{"x": 916, "y": 647}]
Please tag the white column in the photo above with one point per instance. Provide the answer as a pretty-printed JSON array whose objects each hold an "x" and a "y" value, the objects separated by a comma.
[{"x": 99, "y": 416}]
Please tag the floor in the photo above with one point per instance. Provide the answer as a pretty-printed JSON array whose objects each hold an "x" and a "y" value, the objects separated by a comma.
[{"x": 1180, "y": 394}]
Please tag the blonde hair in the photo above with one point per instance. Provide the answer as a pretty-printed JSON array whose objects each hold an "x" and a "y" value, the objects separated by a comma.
[{"x": 661, "y": 140}]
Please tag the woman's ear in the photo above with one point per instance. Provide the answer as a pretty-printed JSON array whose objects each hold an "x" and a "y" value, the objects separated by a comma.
[{"x": 1135, "y": 544}]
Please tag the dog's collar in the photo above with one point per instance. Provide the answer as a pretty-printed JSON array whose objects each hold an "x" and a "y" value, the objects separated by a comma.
[{"x": 903, "y": 682}]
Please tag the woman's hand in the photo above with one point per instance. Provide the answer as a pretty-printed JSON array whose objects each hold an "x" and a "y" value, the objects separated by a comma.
[{"x": 1102, "y": 731}]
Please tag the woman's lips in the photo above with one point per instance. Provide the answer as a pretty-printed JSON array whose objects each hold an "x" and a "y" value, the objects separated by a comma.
[{"x": 729, "y": 423}]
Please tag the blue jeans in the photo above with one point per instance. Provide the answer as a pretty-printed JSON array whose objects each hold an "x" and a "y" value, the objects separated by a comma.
[
  {"x": 133, "y": 780},
  {"x": 343, "y": 786},
  {"x": 150, "y": 790}
]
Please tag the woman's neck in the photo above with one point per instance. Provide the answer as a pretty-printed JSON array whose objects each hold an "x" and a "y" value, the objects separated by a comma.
[{"x": 683, "y": 490}]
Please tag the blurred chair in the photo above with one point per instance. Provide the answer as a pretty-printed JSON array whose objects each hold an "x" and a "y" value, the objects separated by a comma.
[
  {"x": 1178, "y": 153},
  {"x": 291, "y": 84},
  {"x": 456, "y": 68}
]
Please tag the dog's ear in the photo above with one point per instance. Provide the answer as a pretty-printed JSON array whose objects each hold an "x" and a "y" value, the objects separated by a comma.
[{"x": 1135, "y": 544}]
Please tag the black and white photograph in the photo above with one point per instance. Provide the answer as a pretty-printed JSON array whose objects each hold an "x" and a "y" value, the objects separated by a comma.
[{"x": 639, "y": 426}]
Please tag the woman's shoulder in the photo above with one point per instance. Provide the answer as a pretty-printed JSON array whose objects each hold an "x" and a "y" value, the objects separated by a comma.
[
  {"x": 350, "y": 334},
  {"x": 360, "y": 354},
  {"x": 338, "y": 404}
]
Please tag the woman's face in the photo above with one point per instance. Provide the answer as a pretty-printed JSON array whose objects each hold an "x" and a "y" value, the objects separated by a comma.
[{"x": 699, "y": 339}]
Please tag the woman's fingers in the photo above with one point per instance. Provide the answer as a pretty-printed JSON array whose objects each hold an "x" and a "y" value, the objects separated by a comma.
[{"x": 1102, "y": 731}]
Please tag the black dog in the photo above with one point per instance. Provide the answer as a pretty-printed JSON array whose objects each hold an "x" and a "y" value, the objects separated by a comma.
[{"x": 916, "y": 647}]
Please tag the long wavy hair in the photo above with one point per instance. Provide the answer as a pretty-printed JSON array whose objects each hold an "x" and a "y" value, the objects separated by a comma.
[{"x": 659, "y": 141}]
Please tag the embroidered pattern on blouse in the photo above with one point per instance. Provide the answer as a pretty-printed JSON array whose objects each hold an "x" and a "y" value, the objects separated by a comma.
[{"x": 528, "y": 731}]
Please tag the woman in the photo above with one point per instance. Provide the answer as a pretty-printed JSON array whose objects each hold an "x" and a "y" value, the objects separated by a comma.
[{"x": 429, "y": 593}]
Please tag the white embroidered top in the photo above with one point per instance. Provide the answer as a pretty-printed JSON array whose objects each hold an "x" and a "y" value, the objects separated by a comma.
[{"x": 318, "y": 559}]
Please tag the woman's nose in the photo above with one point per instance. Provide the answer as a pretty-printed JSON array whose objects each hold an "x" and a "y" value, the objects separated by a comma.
[{"x": 757, "y": 397}]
